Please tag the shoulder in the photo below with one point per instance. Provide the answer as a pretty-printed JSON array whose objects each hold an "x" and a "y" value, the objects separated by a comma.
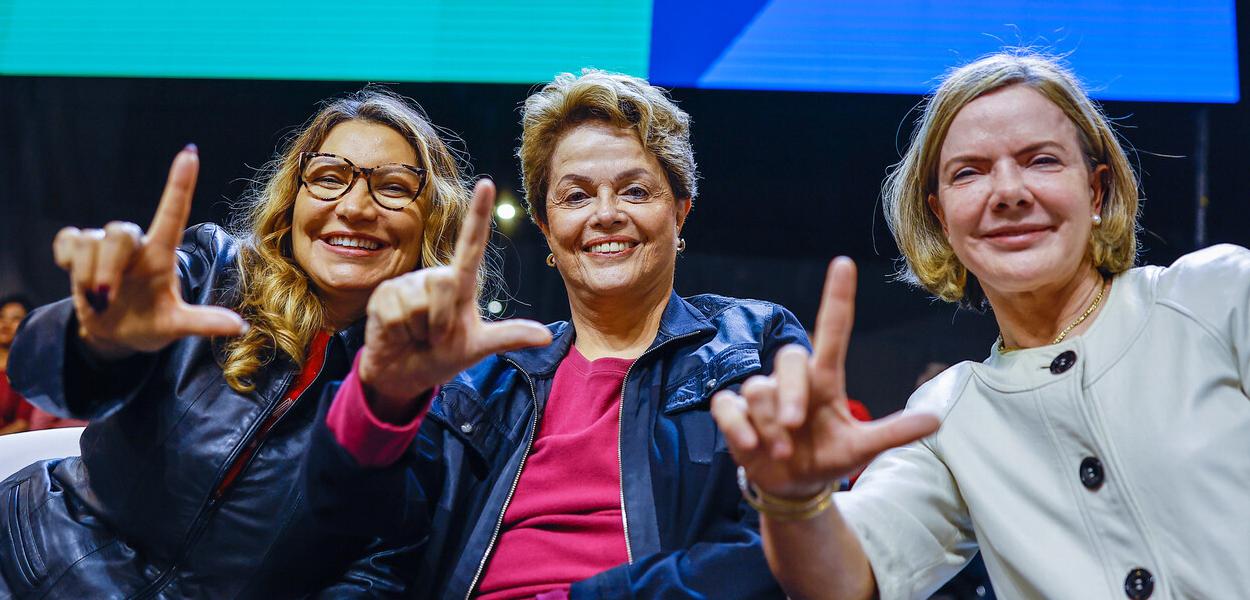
[
  {"x": 940, "y": 394},
  {"x": 1209, "y": 285},
  {"x": 206, "y": 244},
  {"x": 207, "y": 239},
  {"x": 207, "y": 253},
  {"x": 1216, "y": 267},
  {"x": 751, "y": 317}
]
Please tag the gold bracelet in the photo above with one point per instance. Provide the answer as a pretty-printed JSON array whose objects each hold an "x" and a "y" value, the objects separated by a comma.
[{"x": 782, "y": 508}]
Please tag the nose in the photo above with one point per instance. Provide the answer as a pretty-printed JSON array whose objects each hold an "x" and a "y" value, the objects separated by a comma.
[
  {"x": 608, "y": 211},
  {"x": 1009, "y": 189},
  {"x": 357, "y": 204}
]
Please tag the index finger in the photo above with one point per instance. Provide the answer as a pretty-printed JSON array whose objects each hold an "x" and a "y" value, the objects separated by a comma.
[
  {"x": 171, "y": 214},
  {"x": 836, "y": 314},
  {"x": 474, "y": 233}
]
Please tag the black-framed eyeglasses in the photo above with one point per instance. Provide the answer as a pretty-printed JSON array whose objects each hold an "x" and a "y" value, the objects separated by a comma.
[{"x": 329, "y": 177}]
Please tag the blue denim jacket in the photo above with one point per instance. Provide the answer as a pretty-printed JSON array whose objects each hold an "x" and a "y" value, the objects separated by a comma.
[{"x": 688, "y": 532}]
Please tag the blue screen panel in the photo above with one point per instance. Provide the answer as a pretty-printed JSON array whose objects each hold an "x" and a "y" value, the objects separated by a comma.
[{"x": 1177, "y": 51}]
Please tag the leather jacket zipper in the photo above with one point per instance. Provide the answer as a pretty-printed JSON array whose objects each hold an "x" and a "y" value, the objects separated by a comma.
[
  {"x": 620, "y": 453},
  {"x": 529, "y": 445},
  {"x": 241, "y": 455}
]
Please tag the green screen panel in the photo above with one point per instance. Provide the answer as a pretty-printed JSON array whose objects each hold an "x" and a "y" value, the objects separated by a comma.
[{"x": 494, "y": 41}]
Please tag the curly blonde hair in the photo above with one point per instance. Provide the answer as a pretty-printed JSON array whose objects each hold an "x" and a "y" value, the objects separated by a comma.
[
  {"x": 930, "y": 262},
  {"x": 622, "y": 100},
  {"x": 274, "y": 293}
]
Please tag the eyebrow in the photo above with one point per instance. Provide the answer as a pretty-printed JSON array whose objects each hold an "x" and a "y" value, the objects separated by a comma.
[
  {"x": 627, "y": 174},
  {"x": 969, "y": 158}
]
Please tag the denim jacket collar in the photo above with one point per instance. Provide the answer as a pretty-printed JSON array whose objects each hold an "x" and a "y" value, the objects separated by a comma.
[{"x": 680, "y": 319}]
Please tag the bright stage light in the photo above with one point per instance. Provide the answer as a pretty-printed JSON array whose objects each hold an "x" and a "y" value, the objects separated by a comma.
[{"x": 505, "y": 211}]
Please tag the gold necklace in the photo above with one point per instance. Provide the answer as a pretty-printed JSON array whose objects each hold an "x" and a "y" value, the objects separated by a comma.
[{"x": 1002, "y": 344}]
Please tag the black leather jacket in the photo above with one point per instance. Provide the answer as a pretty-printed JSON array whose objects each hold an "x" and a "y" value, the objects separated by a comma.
[{"x": 140, "y": 515}]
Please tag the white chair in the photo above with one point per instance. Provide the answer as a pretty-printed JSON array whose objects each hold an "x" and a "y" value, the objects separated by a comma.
[{"x": 17, "y": 450}]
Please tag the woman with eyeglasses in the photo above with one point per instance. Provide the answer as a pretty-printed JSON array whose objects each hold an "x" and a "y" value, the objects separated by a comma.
[{"x": 198, "y": 358}]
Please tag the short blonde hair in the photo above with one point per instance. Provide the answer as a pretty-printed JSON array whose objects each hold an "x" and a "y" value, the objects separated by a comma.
[
  {"x": 622, "y": 100},
  {"x": 930, "y": 262},
  {"x": 275, "y": 296}
]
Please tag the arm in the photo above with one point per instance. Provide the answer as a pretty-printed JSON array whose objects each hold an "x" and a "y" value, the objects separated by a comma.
[
  {"x": 795, "y": 438},
  {"x": 87, "y": 355},
  {"x": 422, "y": 329},
  {"x": 387, "y": 570},
  {"x": 359, "y": 476}
]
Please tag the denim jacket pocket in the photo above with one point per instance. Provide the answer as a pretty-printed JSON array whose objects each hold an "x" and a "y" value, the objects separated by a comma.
[{"x": 728, "y": 367}]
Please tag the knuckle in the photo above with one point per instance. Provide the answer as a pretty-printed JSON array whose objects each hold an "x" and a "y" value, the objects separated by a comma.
[{"x": 123, "y": 230}]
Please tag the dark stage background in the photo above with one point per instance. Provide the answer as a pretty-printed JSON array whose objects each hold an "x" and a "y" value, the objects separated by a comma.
[{"x": 789, "y": 180}]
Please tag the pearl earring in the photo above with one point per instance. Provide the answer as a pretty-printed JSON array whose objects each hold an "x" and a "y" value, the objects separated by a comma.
[{"x": 1097, "y": 220}]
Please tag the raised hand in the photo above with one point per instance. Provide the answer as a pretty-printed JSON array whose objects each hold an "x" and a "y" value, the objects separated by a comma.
[
  {"x": 424, "y": 327},
  {"x": 125, "y": 286},
  {"x": 791, "y": 430}
]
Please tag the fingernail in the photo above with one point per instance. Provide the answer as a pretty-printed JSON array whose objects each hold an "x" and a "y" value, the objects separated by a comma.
[
  {"x": 246, "y": 328},
  {"x": 98, "y": 303},
  {"x": 103, "y": 292},
  {"x": 192, "y": 148}
]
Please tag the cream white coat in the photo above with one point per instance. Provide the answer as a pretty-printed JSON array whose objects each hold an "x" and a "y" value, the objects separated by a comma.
[{"x": 1158, "y": 394}]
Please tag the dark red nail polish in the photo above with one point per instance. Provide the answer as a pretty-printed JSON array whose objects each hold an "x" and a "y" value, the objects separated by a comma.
[
  {"x": 103, "y": 291},
  {"x": 94, "y": 300}
]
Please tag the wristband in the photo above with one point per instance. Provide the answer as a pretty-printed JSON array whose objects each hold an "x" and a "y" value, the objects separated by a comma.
[{"x": 780, "y": 508}]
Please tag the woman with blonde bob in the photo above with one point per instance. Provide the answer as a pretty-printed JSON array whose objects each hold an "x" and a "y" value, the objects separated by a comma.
[
  {"x": 198, "y": 358},
  {"x": 582, "y": 462},
  {"x": 1100, "y": 450}
]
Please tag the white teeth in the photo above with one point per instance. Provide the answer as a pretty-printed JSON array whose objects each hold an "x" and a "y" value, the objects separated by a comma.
[
  {"x": 350, "y": 242},
  {"x": 612, "y": 247}
]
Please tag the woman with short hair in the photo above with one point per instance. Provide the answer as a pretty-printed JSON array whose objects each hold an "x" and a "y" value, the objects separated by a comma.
[
  {"x": 1100, "y": 450},
  {"x": 198, "y": 357},
  {"x": 586, "y": 464}
]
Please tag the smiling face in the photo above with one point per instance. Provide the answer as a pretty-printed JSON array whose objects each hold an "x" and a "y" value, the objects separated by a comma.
[
  {"x": 350, "y": 245},
  {"x": 1015, "y": 192},
  {"x": 612, "y": 221}
]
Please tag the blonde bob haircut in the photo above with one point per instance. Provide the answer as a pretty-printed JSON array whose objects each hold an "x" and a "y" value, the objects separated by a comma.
[
  {"x": 274, "y": 294},
  {"x": 929, "y": 260},
  {"x": 627, "y": 102}
]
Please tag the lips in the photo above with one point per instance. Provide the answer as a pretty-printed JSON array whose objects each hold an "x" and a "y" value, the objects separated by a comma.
[
  {"x": 352, "y": 244},
  {"x": 610, "y": 246},
  {"x": 1016, "y": 236}
]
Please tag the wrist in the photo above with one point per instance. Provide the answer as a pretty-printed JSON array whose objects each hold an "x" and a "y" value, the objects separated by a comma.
[
  {"x": 799, "y": 504},
  {"x": 97, "y": 351},
  {"x": 391, "y": 404}
]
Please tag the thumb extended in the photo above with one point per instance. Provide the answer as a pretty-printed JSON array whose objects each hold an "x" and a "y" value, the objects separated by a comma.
[
  {"x": 512, "y": 334},
  {"x": 210, "y": 321}
]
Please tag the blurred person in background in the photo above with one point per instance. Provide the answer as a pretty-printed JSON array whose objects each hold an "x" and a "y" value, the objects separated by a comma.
[
  {"x": 1100, "y": 450},
  {"x": 15, "y": 412},
  {"x": 197, "y": 357},
  {"x": 585, "y": 465}
]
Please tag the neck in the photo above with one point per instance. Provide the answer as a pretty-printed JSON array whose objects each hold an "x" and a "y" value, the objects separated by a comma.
[
  {"x": 1036, "y": 317},
  {"x": 617, "y": 327},
  {"x": 340, "y": 312},
  {"x": 4, "y": 358}
]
